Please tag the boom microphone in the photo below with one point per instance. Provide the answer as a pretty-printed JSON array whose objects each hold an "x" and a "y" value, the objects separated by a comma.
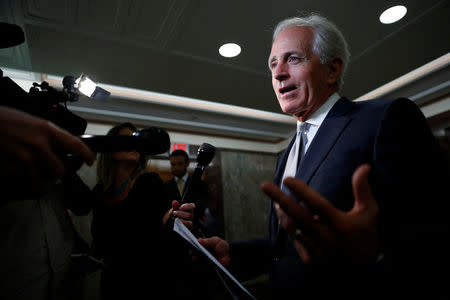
[{"x": 149, "y": 141}]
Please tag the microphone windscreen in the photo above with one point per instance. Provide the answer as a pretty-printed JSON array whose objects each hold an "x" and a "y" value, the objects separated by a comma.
[{"x": 205, "y": 154}]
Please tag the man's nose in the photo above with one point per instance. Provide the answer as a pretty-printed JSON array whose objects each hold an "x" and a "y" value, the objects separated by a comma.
[{"x": 280, "y": 72}]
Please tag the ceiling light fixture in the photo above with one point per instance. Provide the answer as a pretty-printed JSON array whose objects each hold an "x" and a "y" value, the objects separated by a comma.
[
  {"x": 393, "y": 14},
  {"x": 230, "y": 50}
]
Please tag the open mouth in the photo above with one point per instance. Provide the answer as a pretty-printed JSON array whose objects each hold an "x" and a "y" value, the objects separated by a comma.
[{"x": 286, "y": 89}]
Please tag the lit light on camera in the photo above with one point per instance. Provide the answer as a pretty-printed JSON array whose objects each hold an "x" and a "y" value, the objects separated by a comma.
[
  {"x": 85, "y": 85},
  {"x": 89, "y": 88}
]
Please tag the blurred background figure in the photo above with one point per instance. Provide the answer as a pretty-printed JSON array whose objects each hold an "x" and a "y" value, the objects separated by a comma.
[
  {"x": 176, "y": 187},
  {"x": 127, "y": 228}
]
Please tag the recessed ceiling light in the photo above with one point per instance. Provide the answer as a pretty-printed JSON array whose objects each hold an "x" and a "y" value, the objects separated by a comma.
[
  {"x": 230, "y": 50},
  {"x": 393, "y": 14}
]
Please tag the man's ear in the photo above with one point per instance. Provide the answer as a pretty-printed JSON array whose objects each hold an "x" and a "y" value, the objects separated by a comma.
[{"x": 334, "y": 70}]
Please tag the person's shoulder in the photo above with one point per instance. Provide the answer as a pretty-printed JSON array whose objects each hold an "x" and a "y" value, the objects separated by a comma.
[
  {"x": 401, "y": 107},
  {"x": 377, "y": 107},
  {"x": 382, "y": 102}
]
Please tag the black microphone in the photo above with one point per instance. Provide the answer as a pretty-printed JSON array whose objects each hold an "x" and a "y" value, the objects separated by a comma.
[
  {"x": 205, "y": 154},
  {"x": 149, "y": 141}
]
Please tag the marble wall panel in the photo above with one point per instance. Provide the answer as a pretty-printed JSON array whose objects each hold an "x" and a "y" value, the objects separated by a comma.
[{"x": 245, "y": 206}]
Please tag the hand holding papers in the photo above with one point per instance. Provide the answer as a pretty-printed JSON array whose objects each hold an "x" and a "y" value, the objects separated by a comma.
[{"x": 188, "y": 236}]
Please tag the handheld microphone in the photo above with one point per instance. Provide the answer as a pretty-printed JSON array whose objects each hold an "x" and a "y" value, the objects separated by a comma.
[
  {"x": 205, "y": 154},
  {"x": 149, "y": 141}
]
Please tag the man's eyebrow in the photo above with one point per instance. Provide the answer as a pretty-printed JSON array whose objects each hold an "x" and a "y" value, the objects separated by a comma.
[
  {"x": 285, "y": 54},
  {"x": 270, "y": 60}
]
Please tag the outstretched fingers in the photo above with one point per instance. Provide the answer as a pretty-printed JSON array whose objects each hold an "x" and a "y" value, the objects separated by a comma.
[
  {"x": 299, "y": 223},
  {"x": 289, "y": 205},
  {"x": 316, "y": 203},
  {"x": 364, "y": 198}
]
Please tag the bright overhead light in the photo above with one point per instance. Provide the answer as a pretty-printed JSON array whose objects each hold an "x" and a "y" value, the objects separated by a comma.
[
  {"x": 230, "y": 50},
  {"x": 393, "y": 14}
]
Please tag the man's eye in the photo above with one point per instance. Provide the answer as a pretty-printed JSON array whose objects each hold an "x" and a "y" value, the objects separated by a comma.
[
  {"x": 293, "y": 59},
  {"x": 273, "y": 65}
]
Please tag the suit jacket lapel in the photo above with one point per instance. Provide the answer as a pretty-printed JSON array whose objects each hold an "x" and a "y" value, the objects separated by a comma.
[
  {"x": 282, "y": 163},
  {"x": 173, "y": 188},
  {"x": 325, "y": 138},
  {"x": 186, "y": 184}
]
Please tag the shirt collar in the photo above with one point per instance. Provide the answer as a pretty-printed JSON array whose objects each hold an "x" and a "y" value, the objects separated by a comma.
[
  {"x": 319, "y": 115},
  {"x": 184, "y": 177}
]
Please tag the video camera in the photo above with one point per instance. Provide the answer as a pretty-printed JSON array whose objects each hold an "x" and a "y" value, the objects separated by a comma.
[
  {"x": 42, "y": 100},
  {"x": 49, "y": 103},
  {"x": 45, "y": 101}
]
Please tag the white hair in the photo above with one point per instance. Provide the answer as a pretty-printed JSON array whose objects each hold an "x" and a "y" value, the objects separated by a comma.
[{"x": 328, "y": 42}]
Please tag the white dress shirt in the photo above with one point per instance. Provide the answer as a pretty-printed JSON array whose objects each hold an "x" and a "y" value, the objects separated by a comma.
[{"x": 315, "y": 120}]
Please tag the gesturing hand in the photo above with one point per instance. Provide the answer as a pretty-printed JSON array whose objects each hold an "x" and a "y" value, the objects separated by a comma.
[{"x": 323, "y": 233}]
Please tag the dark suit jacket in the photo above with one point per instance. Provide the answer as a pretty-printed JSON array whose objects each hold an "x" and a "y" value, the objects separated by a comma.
[
  {"x": 200, "y": 280},
  {"x": 199, "y": 194},
  {"x": 408, "y": 178},
  {"x": 172, "y": 188}
]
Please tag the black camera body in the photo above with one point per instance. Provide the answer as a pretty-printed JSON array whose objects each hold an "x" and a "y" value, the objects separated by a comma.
[{"x": 44, "y": 101}]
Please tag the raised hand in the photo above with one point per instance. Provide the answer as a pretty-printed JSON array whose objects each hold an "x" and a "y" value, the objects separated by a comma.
[{"x": 323, "y": 233}]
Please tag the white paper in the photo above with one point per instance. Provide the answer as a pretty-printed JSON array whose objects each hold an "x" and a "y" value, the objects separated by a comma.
[{"x": 182, "y": 230}]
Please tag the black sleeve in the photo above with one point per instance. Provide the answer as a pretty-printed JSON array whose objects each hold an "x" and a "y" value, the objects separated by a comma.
[
  {"x": 250, "y": 259},
  {"x": 411, "y": 185}
]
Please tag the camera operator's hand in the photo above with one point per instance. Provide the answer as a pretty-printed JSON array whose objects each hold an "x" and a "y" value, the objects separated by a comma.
[{"x": 29, "y": 147}]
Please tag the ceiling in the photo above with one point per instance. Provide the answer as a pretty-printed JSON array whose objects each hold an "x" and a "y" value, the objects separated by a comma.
[{"x": 161, "y": 63}]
